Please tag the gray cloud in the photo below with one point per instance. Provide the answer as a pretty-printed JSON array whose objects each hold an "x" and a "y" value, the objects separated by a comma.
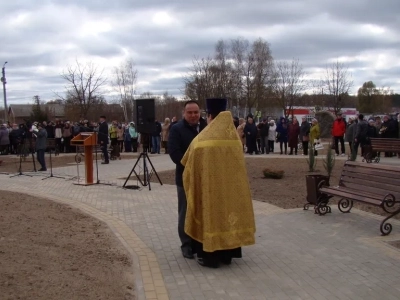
[{"x": 41, "y": 38}]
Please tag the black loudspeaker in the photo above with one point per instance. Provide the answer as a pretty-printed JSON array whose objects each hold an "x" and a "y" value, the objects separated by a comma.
[{"x": 145, "y": 115}]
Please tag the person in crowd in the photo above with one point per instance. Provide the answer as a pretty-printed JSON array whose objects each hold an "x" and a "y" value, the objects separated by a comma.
[
  {"x": 240, "y": 131},
  {"x": 103, "y": 139},
  {"x": 58, "y": 134},
  {"x": 174, "y": 120},
  {"x": 165, "y": 133},
  {"x": 156, "y": 138},
  {"x": 372, "y": 132},
  {"x": 120, "y": 137},
  {"x": 349, "y": 136},
  {"x": 236, "y": 122},
  {"x": 250, "y": 130},
  {"x": 133, "y": 136},
  {"x": 264, "y": 131},
  {"x": 41, "y": 144},
  {"x": 305, "y": 134},
  {"x": 315, "y": 134},
  {"x": 180, "y": 136},
  {"x": 113, "y": 132},
  {"x": 4, "y": 139},
  {"x": 271, "y": 136},
  {"x": 127, "y": 139},
  {"x": 338, "y": 131},
  {"x": 67, "y": 136},
  {"x": 50, "y": 129},
  {"x": 388, "y": 131},
  {"x": 293, "y": 136},
  {"x": 15, "y": 138},
  {"x": 282, "y": 134},
  {"x": 360, "y": 137},
  {"x": 214, "y": 199}
]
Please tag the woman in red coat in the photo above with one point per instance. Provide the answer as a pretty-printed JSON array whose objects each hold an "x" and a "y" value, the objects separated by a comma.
[{"x": 294, "y": 131}]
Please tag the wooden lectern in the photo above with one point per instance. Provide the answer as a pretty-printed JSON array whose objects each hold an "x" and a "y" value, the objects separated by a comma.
[{"x": 88, "y": 140}]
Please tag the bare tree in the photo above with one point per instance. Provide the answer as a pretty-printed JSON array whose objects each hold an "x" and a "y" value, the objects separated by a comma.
[
  {"x": 84, "y": 86},
  {"x": 125, "y": 77},
  {"x": 337, "y": 84},
  {"x": 253, "y": 71},
  {"x": 199, "y": 83},
  {"x": 289, "y": 84}
]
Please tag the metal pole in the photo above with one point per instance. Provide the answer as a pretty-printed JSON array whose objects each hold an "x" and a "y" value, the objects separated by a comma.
[{"x": 4, "y": 81}]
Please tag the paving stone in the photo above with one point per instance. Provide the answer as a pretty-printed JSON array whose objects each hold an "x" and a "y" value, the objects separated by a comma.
[{"x": 298, "y": 255}]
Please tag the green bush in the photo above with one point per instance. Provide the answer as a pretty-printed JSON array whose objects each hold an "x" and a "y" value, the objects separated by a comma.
[
  {"x": 311, "y": 161},
  {"x": 274, "y": 174}
]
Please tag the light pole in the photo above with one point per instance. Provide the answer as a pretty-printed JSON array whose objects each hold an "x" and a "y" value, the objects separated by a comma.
[{"x": 4, "y": 81}]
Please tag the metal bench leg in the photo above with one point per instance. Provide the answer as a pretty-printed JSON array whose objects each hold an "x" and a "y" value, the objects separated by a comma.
[
  {"x": 388, "y": 204},
  {"x": 345, "y": 205}
]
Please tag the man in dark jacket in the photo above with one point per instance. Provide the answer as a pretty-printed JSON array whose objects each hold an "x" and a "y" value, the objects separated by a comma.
[
  {"x": 180, "y": 137},
  {"x": 41, "y": 144},
  {"x": 361, "y": 133},
  {"x": 102, "y": 138},
  {"x": 156, "y": 138}
]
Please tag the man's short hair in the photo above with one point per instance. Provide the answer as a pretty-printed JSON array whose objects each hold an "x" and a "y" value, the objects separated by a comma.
[
  {"x": 190, "y": 102},
  {"x": 102, "y": 117},
  {"x": 361, "y": 117}
]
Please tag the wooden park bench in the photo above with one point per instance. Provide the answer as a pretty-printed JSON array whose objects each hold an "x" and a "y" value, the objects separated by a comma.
[
  {"x": 377, "y": 185},
  {"x": 385, "y": 145}
]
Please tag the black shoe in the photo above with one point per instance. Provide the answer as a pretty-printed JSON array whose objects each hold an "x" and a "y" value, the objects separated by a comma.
[
  {"x": 205, "y": 263},
  {"x": 187, "y": 253},
  {"x": 226, "y": 260},
  {"x": 105, "y": 162},
  {"x": 42, "y": 170}
]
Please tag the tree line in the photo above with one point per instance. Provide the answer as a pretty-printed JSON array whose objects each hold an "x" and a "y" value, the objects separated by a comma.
[{"x": 244, "y": 72}]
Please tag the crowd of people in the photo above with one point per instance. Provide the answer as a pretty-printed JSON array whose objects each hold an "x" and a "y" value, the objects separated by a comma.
[{"x": 289, "y": 133}]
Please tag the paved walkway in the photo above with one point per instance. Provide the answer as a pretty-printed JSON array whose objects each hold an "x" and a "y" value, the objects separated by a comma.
[{"x": 298, "y": 255}]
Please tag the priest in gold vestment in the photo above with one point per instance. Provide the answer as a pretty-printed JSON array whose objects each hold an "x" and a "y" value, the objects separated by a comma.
[{"x": 220, "y": 216}]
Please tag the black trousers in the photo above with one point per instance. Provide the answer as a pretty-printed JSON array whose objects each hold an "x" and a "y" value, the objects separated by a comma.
[
  {"x": 305, "y": 147},
  {"x": 271, "y": 146},
  {"x": 341, "y": 140},
  {"x": 105, "y": 153},
  {"x": 186, "y": 240}
]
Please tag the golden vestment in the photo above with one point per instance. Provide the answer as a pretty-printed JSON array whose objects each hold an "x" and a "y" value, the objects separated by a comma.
[{"x": 219, "y": 207}]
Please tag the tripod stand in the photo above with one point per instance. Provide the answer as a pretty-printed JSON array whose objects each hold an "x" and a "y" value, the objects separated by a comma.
[
  {"x": 50, "y": 144},
  {"x": 146, "y": 174},
  {"x": 24, "y": 149}
]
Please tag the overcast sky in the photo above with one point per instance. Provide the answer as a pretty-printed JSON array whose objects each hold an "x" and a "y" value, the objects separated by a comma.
[{"x": 41, "y": 38}]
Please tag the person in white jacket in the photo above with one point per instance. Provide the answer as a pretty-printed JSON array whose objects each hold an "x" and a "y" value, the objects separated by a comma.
[{"x": 271, "y": 136}]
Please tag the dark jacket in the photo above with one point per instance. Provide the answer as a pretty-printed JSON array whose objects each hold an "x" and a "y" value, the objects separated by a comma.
[
  {"x": 41, "y": 139},
  {"x": 158, "y": 129},
  {"x": 264, "y": 129},
  {"x": 180, "y": 137},
  {"x": 282, "y": 130},
  {"x": 50, "y": 131},
  {"x": 350, "y": 132},
  {"x": 361, "y": 131},
  {"x": 304, "y": 129},
  {"x": 103, "y": 134}
]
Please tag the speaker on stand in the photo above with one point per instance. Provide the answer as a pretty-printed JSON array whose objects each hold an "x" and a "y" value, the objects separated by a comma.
[{"x": 145, "y": 125}]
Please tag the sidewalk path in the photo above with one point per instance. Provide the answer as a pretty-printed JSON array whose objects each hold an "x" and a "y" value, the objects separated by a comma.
[{"x": 298, "y": 255}]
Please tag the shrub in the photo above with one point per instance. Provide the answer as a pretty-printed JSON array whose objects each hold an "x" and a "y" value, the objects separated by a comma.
[
  {"x": 329, "y": 161},
  {"x": 311, "y": 161},
  {"x": 274, "y": 174}
]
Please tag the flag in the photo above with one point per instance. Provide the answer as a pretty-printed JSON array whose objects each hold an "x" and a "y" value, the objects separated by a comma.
[{"x": 10, "y": 111}]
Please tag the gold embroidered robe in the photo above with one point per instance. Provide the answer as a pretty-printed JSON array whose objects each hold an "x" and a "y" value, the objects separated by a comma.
[{"x": 219, "y": 207}]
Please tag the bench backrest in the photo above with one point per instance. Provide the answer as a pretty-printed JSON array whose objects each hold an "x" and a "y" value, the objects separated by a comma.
[
  {"x": 378, "y": 179},
  {"x": 385, "y": 144}
]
